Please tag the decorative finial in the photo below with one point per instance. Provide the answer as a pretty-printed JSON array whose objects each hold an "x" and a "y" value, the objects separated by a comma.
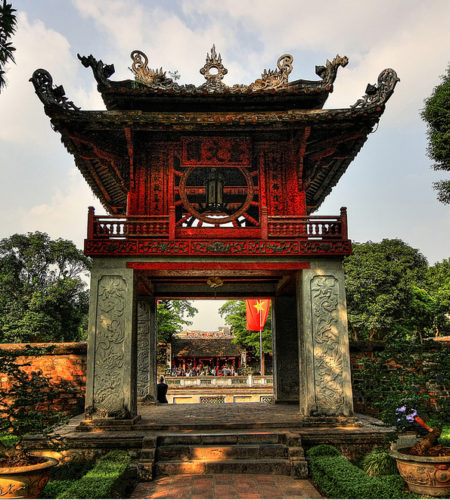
[
  {"x": 329, "y": 71},
  {"x": 213, "y": 79},
  {"x": 275, "y": 79},
  {"x": 49, "y": 94},
  {"x": 377, "y": 95},
  {"x": 142, "y": 72}
]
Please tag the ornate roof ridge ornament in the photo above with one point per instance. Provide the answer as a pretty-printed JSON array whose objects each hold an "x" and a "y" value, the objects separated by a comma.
[
  {"x": 48, "y": 94},
  {"x": 214, "y": 71},
  {"x": 155, "y": 78},
  {"x": 100, "y": 70},
  {"x": 274, "y": 79},
  {"x": 213, "y": 80},
  {"x": 328, "y": 72},
  {"x": 377, "y": 95}
]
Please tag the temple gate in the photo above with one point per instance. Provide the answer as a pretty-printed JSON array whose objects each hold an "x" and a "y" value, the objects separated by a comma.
[{"x": 210, "y": 192}]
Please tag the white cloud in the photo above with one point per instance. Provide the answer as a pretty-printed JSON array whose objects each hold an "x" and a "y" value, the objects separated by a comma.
[
  {"x": 36, "y": 47},
  {"x": 409, "y": 36},
  {"x": 65, "y": 215}
]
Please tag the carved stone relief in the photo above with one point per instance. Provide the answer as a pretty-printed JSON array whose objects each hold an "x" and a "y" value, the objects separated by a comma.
[
  {"x": 109, "y": 348},
  {"x": 143, "y": 349},
  {"x": 327, "y": 354}
]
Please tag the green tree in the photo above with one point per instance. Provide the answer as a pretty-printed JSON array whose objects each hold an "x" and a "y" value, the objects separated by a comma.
[
  {"x": 438, "y": 286},
  {"x": 386, "y": 295},
  {"x": 42, "y": 295},
  {"x": 234, "y": 313},
  {"x": 437, "y": 115},
  {"x": 7, "y": 29},
  {"x": 171, "y": 317}
]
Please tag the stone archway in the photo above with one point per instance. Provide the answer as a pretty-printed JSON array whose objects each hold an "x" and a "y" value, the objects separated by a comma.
[{"x": 311, "y": 364}]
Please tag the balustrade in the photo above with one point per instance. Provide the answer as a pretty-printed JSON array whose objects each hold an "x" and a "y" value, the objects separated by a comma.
[{"x": 160, "y": 226}]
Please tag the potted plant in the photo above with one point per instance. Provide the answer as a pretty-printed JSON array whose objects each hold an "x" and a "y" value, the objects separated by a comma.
[
  {"x": 425, "y": 466},
  {"x": 25, "y": 398}
]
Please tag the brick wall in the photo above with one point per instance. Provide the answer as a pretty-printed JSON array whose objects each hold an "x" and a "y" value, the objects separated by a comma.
[
  {"x": 66, "y": 364},
  {"x": 369, "y": 350}
]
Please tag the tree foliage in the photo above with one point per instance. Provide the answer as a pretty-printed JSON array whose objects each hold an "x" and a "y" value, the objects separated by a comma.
[
  {"x": 171, "y": 317},
  {"x": 7, "y": 29},
  {"x": 235, "y": 315},
  {"x": 391, "y": 291},
  {"x": 42, "y": 295},
  {"x": 437, "y": 116}
]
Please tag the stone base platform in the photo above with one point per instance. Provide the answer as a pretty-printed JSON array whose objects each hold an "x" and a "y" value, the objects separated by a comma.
[{"x": 352, "y": 436}]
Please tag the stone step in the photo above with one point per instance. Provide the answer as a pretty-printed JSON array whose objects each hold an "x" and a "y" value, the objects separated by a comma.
[
  {"x": 262, "y": 466},
  {"x": 214, "y": 452},
  {"x": 148, "y": 453},
  {"x": 221, "y": 439}
]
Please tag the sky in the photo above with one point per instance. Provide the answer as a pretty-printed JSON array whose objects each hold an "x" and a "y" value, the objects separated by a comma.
[{"x": 387, "y": 188}]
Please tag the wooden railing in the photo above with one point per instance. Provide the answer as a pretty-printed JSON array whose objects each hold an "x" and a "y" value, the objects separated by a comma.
[
  {"x": 309, "y": 227},
  {"x": 112, "y": 227},
  {"x": 160, "y": 226}
]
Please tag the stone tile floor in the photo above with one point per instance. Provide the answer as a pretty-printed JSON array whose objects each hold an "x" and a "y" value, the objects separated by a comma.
[{"x": 226, "y": 486}]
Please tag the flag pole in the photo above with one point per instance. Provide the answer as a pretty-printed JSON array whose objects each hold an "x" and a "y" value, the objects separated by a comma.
[{"x": 260, "y": 343}]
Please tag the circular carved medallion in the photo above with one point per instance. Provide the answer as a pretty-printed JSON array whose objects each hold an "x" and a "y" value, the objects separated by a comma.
[{"x": 216, "y": 195}]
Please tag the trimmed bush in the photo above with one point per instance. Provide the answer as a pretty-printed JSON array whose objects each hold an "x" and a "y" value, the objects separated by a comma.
[
  {"x": 378, "y": 462},
  {"x": 53, "y": 489},
  {"x": 63, "y": 476},
  {"x": 323, "y": 450},
  {"x": 338, "y": 478},
  {"x": 105, "y": 480}
]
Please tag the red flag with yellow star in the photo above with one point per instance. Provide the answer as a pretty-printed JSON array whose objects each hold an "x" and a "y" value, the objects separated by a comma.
[{"x": 257, "y": 312}]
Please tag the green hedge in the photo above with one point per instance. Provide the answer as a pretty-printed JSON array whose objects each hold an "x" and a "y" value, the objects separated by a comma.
[
  {"x": 63, "y": 476},
  {"x": 107, "y": 479},
  {"x": 338, "y": 478}
]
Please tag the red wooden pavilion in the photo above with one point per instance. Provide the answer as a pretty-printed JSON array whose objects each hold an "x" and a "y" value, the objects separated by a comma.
[{"x": 211, "y": 192}]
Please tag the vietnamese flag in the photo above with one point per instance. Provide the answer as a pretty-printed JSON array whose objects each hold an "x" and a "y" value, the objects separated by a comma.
[{"x": 257, "y": 312}]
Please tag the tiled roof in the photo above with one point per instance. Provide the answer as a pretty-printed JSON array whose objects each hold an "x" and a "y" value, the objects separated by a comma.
[{"x": 204, "y": 347}]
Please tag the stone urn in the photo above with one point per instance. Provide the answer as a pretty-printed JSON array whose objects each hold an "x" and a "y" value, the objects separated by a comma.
[
  {"x": 425, "y": 475},
  {"x": 26, "y": 481}
]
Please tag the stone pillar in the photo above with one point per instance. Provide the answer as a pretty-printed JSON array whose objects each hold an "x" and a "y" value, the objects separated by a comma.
[
  {"x": 111, "y": 366},
  {"x": 325, "y": 382},
  {"x": 285, "y": 349},
  {"x": 146, "y": 349}
]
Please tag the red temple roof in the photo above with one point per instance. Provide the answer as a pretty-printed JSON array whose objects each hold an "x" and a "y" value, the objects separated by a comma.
[{"x": 155, "y": 108}]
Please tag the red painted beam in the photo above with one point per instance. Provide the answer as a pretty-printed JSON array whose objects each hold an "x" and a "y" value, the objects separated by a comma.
[{"x": 166, "y": 266}]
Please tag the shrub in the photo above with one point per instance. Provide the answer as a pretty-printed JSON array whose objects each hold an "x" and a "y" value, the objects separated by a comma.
[
  {"x": 7, "y": 440},
  {"x": 322, "y": 450},
  {"x": 54, "y": 489},
  {"x": 445, "y": 435},
  {"x": 63, "y": 476},
  {"x": 105, "y": 480},
  {"x": 338, "y": 478},
  {"x": 378, "y": 462}
]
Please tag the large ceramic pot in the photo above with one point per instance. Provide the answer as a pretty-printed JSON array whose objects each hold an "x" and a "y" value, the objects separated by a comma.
[
  {"x": 424, "y": 475},
  {"x": 26, "y": 481}
]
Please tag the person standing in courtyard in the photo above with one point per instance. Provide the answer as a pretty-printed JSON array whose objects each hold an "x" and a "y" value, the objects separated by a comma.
[{"x": 161, "y": 390}]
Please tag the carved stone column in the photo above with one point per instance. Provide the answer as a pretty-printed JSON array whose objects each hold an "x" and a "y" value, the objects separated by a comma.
[
  {"x": 285, "y": 349},
  {"x": 111, "y": 366},
  {"x": 146, "y": 349},
  {"x": 325, "y": 381}
]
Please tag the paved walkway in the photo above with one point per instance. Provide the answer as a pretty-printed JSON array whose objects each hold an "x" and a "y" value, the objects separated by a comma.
[{"x": 226, "y": 486}]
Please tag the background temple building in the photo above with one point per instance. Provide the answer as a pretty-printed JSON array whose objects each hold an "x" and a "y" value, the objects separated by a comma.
[
  {"x": 212, "y": 349},
  {"x": 210, "y": 193}
]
